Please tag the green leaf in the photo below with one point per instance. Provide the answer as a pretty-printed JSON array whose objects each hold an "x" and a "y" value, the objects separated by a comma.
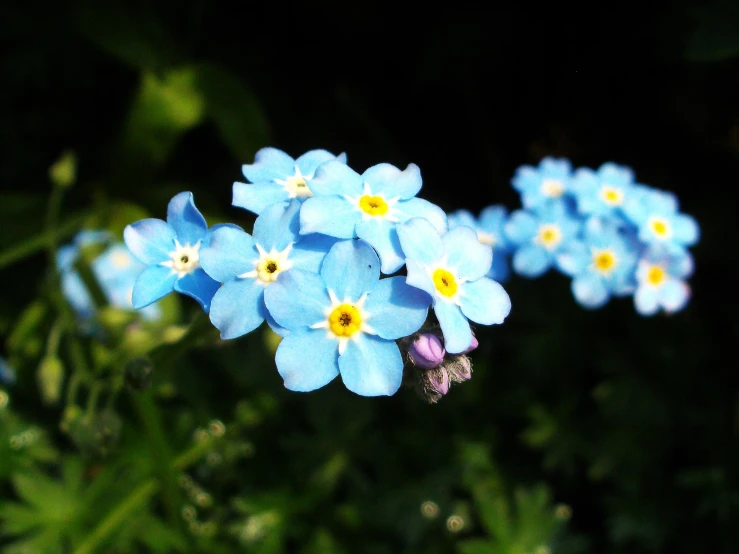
[{"x": 478, "y": 546}]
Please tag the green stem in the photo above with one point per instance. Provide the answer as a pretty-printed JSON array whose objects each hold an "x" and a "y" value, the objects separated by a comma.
[
  {"x": 39, "y": 242},
  {"x": 138, "y": 498},
  {"x": 92, "y": 399}
]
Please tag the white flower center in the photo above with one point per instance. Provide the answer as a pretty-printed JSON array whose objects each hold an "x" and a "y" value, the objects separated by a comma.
[
  {"x": 269, "y": 265},
  {"x": 296, "y": 186},
  {"x": 486, "y": 238},
  {"x": 183, "y": 259},
  {"x": 552, "y": 188}
]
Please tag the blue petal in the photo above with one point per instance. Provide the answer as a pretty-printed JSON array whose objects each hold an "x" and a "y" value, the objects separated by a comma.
[
  {"x": 150, "y": 240},
  {"x": 674, "y": 295},
  {"x": 499, "y": 270},
  {"x": 646, "y": 300},
  {"x": 467, "y": 254},
  {"x": 454, "y": 326},
  {"x": 238, "y": 308},
  {"x": 152, "y": 284},
  {"x": 395, "y": 309},
  {"x": 492, "y": 219},
  {"x": 257, "y": 197},
  {"x": 531, "y": 260},
  {"x": 383, "y": 237},
  {"x": 419, "y": 277},
  {"x": 231, "y": 253},
  {"x": 573, "y": 258},
  {"x": 276, "y": 327},
  {"x": 485, "y": 301},
  {"x": 307, "y": 360},
  {"x": 186, "y": 219},
  {"x": 462, "y": 217},
  {"x": 269, "y": 163},
  {"x": 309, "y": 162},
  {"x": 420, "y": 241},
  {"x": 521, "y": 227},
  {"x": 590, "y": 290},
  {"x": 350, "y": 269},
  {"x": 336, "y": 178},
  {"x": 198, "y": 285},
  {"x": 329, "y": 215},
  {"x": 685, "y": 230},
  {"x": 309, "y": 252},
  {"x": 389, "y": 180},
  {"x": 371, "y": 366},
  {"x": 297, "y": 299},
  {"x": 77, "y": 295},
  {"x": 418, "y": 207},
  {"x": 277, "y": 226}
]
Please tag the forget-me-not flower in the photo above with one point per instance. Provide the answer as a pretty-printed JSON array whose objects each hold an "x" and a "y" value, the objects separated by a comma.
[
  {"x": 277, "y": 177},
  {"x": 247, "y": 265},
  {"x": 603, "y": 192},
  {"x": 489, "y": 229},
  {"x": 538, "y": 185},
  {"x": 656, "y": 214},
  {"x": 368, "y": 206},
  {"x": 541, "y": 237},
  {"x": 452, "y": 268},
  {"x": 661, "y": 275},
  {"x": 171, "y": 251},
  {"x": 345, "y": 321}
]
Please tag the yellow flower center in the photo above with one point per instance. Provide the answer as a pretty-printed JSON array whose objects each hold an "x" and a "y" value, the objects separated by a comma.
[
  {"x": 612, "y": 196},
  {"x": 445, "y": 282},
  {"x": 656, "y": 275},
  {"x": 550, "y": 235},
  {"x": 373, "y": 205},
  {"x": 344, "y": 320},
  {"x": 660, "y": 227},
  {"x": 268, "y": 269},
  {"x": 604, "y": 261},
  {"x": 552, "y": 188},
  {"x": 486, "y": 238},
  {"x": 297, "y": 187}
]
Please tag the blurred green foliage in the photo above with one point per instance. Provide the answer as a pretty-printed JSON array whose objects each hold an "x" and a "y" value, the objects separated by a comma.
[{"x": 579, "y": 432}]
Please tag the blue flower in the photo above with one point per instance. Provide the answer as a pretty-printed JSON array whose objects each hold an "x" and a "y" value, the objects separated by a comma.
[
  {"x": 276, "y": 177},
  {"x": 661, "y": 275},
  {"x": 115, "y": 270},
  {"x": 369, "y": 206},
  {"x": 452, "y": 269},
  {"x": 603, "y": 192},
  {"x": 171, "y": 252},
  {"x": 7, "y": 375},
  {"x": 344, "y": 320},
  {"x": 539, "y": 185},
  {"x": 489, "y": 229},
  {"x": 247, "y": 265},
  {"x": 541, "y": 237},
  {"x": 602, "y": 265},
  {"x": 656, "y": 215}
]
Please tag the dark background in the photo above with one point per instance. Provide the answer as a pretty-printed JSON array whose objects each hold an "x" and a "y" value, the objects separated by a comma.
[{"x": 631, "y": 421}]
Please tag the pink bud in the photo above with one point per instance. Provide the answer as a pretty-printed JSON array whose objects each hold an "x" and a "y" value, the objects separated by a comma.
[
  {"x": 438, "y": 381},
  {"x": 427, "y": 351},
  {"x": 474, "y": 344}
]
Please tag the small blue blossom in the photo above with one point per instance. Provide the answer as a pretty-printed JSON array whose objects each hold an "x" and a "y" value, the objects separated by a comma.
[
  {"x": 603, "y": 192},
  {"x": 452, "y": 268},
  {"x": 7, "y": 375},
  {"x": 489, "y": 229},
  {"x": 369, "y": 206},
  {"x": 345, "y": 321},
  {"x": 661, "y": 275},
  {"x": 538, "y": 185},
  {"x": 276, "y": 177},
  {"x": 541, "y": 237},
  {"x": 247, "y": 265},
  {"x": 656, "y": 215},
  {"x": 602, "y": 265},
  {"x": 171, "y": 252}
]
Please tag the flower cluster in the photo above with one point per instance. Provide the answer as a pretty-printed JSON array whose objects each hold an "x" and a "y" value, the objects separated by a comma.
[
  {"x": 614, "y": 237},
  {"x": 323, "y": 267}
]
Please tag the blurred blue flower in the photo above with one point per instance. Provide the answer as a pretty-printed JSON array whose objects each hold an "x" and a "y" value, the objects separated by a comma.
[
  {"x": 537, "y": 185},
  {"x": 115, "y": 270},
  {"x": 541, "y": 237},
  {"x": 489, "y": 229},
  {"x": 603, "y": 192},
  {"x": 171, "y": 252},
  {"x": 344, "y": 320},
  {"x": 7, "y": 375},
  {"x": 247, "y": 265},
  {"x": 656, "y": 214},
  {"x": 661, "y": 275},
  {"x": 277, "y": 177},
  {"x": 452, "y": 268},
  {"x": 602, "y": 264},
  {"x": 368, "y": 206}
]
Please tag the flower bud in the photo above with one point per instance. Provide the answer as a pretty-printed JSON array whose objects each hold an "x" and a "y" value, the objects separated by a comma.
[
  {"x": 459, "y": 368},
  {"x": 50, "y": 376},
  {"x": 474, "y": 344},
  {"x": 427, "y": 351},
  {"x": 438, "y": 380}
]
